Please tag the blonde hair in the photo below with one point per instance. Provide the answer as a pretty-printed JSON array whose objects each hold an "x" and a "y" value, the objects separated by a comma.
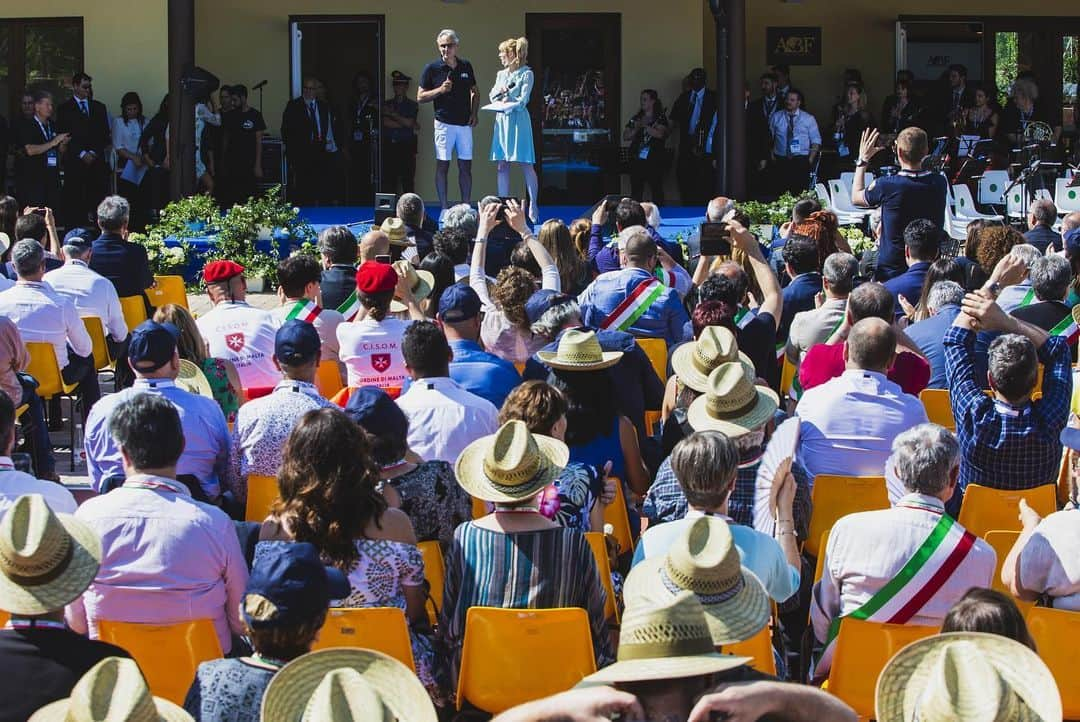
[
  {"x": 190, "y": 345},
  {"x": 518, "y": 49},
  {"x": 555, "y": 237}
]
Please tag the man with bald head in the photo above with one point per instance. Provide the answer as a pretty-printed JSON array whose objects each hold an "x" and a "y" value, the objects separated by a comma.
[
  {"x": 633, "y": 299},
  {"x": 848, "y": 423},
  {"x": 374, "y": 243}
]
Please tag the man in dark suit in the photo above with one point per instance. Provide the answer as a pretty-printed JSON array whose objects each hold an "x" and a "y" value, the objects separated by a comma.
[
  {"x": 337, "y": 249},
  {"x": 1042, "y": 214},
  {"x": 692, "y": 113},
  {"x": 1050, "y": 279},
  {"x": 759, "y": 137},
  {"x": 801, "y": 263},
  {"x": 956, "y": 99},
  {"x": 37, "y": 165},
  {"x": 312, "y": 146},
  {"x": 123, "y": 263},
  {"x": 86, "y": 177}
]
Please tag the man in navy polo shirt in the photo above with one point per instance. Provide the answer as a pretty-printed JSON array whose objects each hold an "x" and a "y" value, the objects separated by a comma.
[
  {"x": 910, "y": 194},
  {"x": 922, "y": 243},
  {"x": 473, "y": 368},
  {"x": 450, "y": 84}
]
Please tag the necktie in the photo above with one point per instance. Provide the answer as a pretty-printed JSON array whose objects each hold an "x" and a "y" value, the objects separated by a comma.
[
  {"x": 315, "y": 120},
  {"x": 790, "y": 132},
  {"x": 695, "y": 114}
]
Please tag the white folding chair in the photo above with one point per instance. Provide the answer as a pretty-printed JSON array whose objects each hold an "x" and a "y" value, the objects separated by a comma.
[
  {"x": 846, "y": 211},
  {"x": 823, "y": 195},
  {"x": 1066, "y": 199},
  {"x": 956, "y": 228},
  {"x": 848, "y": 178},
  {"x": 1016, "y": 203},
  {"x": 992, "y": 187},
  {"x": 965, "y": 206}
]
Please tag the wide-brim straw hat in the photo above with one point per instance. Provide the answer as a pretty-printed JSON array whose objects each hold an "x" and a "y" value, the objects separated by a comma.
[
  {"x": 580, "y": 351},
  {"x": 5, "y": 242},
  {"x": 394, "y": 228},
  {"x": 967, "y": 676},
  {"x": 664, "y": 641},
  {"x": 333, "y": 685},
  {"x": 421, "y": 282},
  {"x": 732, "y": 404},
  {"x": 694, "y": 361},
  {"x": 113, "y": 689},
  {"x": 46, "y": 559},
  {"x": 704, "y": 560},
  {"x": 512, "y": 464},
  {"x": 192, "y": 379}
]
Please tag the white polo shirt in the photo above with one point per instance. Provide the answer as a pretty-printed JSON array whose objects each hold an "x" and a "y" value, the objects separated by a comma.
[
  {"x": 244, "y": 335},
  {"x": 445, "y": 418},
  {"x": 92, "y": 294},
  {"x": 371, "y": 351},
  {"x": 325, "y": 324}
]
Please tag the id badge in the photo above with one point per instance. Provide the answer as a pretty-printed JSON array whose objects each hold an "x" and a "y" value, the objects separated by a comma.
[
  {"x": 51, "y": 160},
  {"x": 796, "y": 147},
  {"x": 358, "y": 135},
  {"x": 842, "y": 150},
  {"x": 643, "y": 154}
]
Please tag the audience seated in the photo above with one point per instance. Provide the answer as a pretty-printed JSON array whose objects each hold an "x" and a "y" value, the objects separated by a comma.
[
  {"x": 867, "y": 550},
  {"x": 1021, "y": 293},
  {"x": 410, "y": 209},
  {"x": 165, "y": 557},
  {"x": 49, "y": 559},
  {"x": 801, "y": 264},
  {"x": 453, "y": 241},
  {"x": 815, "y": 325},
  {"x": 263, "y": 424},
  {"x": 21, "y": 389},
  {"x": 943, "y": 305},
  {"x": 848, "y": 424},
  {"x": 989, "y": 611},
  {"x": 922, "y": 244},
  {"x": 299, "y": 281},
  {"x": 15, "y": 483},
  {"x": 40, "y": 228},
  {"x": 1042, "y": 215},
  {"x": 338, "y": 251},
  {"x": 574, "y": 273},
  {"x": 473, "y": 368},
  {"x": 1050, "y": 279},
  {"x": 124, "y": 263}
]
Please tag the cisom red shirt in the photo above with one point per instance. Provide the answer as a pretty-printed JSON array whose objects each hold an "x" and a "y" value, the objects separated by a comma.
[{"x": 909, "y": 371}]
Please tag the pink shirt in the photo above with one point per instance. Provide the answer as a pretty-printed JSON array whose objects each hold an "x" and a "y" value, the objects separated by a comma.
[
  {"x": 826, "y": 361},
  {"x": 13, "y": 357},
  {"x": 165, "y": 558}
]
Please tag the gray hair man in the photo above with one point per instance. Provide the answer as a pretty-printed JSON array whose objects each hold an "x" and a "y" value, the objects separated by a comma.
[
  {"x": 124, "y": 264},
  {"x": 410, "y": 209},
  {"x": 1042, "y": 215},
  {"x": 1050, "y": 278},
  {"x": 809, "y": 328},
  {"x": 943, "y": 305},
  {"x": 1020, "y": 293},
  {"x": 463, "y": 217}
]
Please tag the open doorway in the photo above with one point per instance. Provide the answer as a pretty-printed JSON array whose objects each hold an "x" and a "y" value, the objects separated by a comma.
[{"x": 343, "y": 51}]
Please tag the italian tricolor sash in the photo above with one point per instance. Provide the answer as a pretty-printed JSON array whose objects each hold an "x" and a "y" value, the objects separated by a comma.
[
  {"x": 1068, "y": 329},
  {"x": 914, "y": 585},
  {"x": 350, "y": 307},
  {"x": 743, "y": 317},
  {"x": 1027, "y": 299},
  {"x": 640, "y": 300},
  {"x": 304, "y": 310},
  {"x": 666, "y": 277}
]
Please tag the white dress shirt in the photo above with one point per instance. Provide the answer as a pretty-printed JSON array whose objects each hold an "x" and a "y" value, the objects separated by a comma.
[
  {"x": 325, "y": 324},
  {"x": 1050, "y": 561},
  {"x": 445, "y": 418},
  {"x": 15, "y": 483},
  {"x": 126, "y": 134},
  {"x": 848, "y": 423},
  {"x": 42, "y": 314},
  {"x": 805, "y": 133},
  {"x": 92, "y": 294},
  {"x": 244, "y": 335}
]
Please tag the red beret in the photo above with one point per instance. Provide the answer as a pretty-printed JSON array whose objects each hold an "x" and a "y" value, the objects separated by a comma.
[
  {"x": 375, "y": 277},
  {"x": 221, "y": 271}
]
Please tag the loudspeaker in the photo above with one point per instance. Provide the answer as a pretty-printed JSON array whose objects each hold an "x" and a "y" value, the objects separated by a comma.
[{"x": 385, "y": 207}]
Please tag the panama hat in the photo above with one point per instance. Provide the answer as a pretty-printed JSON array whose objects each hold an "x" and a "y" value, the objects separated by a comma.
[
  {"x": 694, "y": 361},
  {"x": 5, "y": 242},
  {"x": 421, "y": 283},
  {"x": 703, "y": 559},
  {"x": 513, "y": 464},
  {"x": 346, "y": 685},
  {"x": 580, "y": 351},
  {"x": 46, "y": 559},
  {"x": 193, "y": 380},
  {"x": 394, "y": 228},
  {"x": 967, "y": 677},
  {"x": 732, "y": 404},
  {"x": 668, "y": 640},
  {"x": 113, "y": 689}
]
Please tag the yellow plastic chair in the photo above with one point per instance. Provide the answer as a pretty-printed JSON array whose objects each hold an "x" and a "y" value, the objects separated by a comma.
[
  {"x": 94, "y": 327},
  {"x": 835, "y": 496},
  {"x": 167, "y": 654},
  {"x": 656, "y": 350},
  {"x": 435, "y": 573},
  {"x": 169, "y": 289},
  {"x": 328, "y": 378},
  {"x": 862, "y": 649},
  {"x": 380, "y": 628},
  {"x": 603, "y": 568},
  {"x": 787, "y": 376},
  {"x": 46, "y": 370},
  {"x": 1064, "y": 475},
  {"x": 652, "y": 422},
  {"x": 819, "y": 566},
  {"x": 938, "y": 407},
  {"x": 513, "y": 656},
  {"x": 479, "y": 508},
  {"x": 520, "y": 366},
  {"x": 1002, "y": 541},
  {"x": 615, "y": 514},
  {"x": 134, "y": 309},
  {"x": 759, "y": 648},
  {"x": 985, "y": 509},
  {"x": 1055, "y": 632},
  {"x": 262, "y": 492}
]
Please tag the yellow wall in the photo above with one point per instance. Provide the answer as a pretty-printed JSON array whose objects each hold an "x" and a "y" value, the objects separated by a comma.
[
  {"x": 125, "y": 43},
  {"x": 246, "y": 41}
]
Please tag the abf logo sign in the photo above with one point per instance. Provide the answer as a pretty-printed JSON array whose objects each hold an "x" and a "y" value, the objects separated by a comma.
[
  {"x": 793, "y": 45},
  {"x": 796, "y": 45}
]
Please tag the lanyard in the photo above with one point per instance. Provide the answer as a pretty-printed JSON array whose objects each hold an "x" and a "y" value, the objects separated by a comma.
[
  {"x": 151, "y": 484},
  {"x": 270, "y": 663},
  {"x": 24, "y": 624}
]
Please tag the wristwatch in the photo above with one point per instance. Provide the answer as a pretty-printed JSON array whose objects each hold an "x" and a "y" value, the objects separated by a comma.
[
  {"x": 860, "y": 163},
  {"x": 994, "y": 288}
]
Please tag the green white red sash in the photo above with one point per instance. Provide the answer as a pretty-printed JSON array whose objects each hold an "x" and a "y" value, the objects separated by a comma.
[
  {"x": 1068, "y": 329},
  {"x": 1027, "y": 299},
  {"x": 666, "y": 277},
  {"x": 350, "y": 307},
  {"x": 305, "y": 310},
  {"x": 913, "y": 586},
  {"x": 743, "y": 317},
  {"x": 640, "y": 300}
]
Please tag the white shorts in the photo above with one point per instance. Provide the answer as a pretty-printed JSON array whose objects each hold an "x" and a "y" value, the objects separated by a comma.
[{"x": 449, "y": 138}]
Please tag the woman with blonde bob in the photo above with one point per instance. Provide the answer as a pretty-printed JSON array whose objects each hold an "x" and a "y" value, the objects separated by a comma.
[{"x": 513, "y": 139}]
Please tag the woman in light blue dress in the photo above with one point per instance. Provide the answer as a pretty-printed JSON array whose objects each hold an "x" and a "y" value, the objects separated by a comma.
[{"x": 513, "y": 138}]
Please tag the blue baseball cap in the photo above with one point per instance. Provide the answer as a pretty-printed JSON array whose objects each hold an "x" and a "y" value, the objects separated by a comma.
[
  {"x": 289, "y": 585},
  {"x": 1072, "y": 241},
  {"x": 296, "y": 343},
  {"x": 152, "y": 345},
  {"x": 541, "y": 301},
  {"x": 458, "y": 303},
  {"x": 79, "y": 237},
  {"x": 373, "y": 410}
]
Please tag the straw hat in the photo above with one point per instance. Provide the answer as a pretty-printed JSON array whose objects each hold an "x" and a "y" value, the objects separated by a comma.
[
  {"x": 5, "y": 242},
  {"x": 669, "y": 640},
  {"x": 704, "y": 560},
  {"x": 967, "y": 677},
  {"x": 513, "y": 464},
  {"x": 46, "y": 559},
  {"x": 732, "y": 404},
  {"x": 693, "y": 362},
  {"x": 113, "y": 689},
  {"x": 421, "y": 283},
  {"x": 394, "y": 228},
  {"x": 346, "y": 685},
  {"x": 580, "y": 351},
  {"x": 192, "y": 379}
]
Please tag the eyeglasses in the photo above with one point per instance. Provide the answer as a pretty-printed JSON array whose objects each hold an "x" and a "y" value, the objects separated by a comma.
[{"x": 447, "y": 45}]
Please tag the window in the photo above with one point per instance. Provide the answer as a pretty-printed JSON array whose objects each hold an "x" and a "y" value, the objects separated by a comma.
[{"x": 38, "y": 54}]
